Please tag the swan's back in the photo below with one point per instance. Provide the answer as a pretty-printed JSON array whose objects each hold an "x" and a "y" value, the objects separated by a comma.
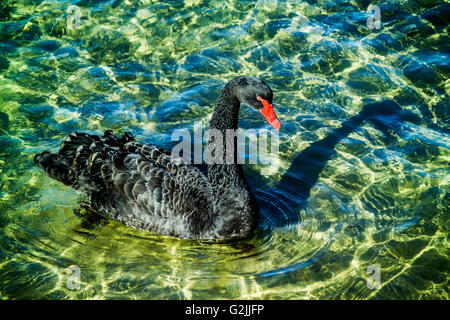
[{"x": 134, "y": 183}]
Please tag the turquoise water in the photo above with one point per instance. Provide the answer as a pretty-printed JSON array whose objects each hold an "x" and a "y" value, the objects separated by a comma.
[{"x": 360, "y": 184}]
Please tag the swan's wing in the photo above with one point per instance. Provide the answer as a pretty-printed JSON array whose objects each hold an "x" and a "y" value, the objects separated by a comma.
[
  {"x": 153, "y": 193},
  {"x": 152, "y": 158},
  {"x": 134, "y": 183}
]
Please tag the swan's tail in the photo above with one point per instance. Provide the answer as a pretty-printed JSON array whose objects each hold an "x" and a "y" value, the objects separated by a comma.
[{"x": 83, "y": 160}]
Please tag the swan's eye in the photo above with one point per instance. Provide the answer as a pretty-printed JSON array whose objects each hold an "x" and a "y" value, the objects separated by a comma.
[{"x": 258, "y": 98}]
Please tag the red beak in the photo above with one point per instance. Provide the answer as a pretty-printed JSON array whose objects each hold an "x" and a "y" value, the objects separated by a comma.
[{"x": 269, "y": 114}]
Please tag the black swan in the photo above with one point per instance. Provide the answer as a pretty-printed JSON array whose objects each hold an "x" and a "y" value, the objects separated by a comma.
[{"x": 139, "y": 184}]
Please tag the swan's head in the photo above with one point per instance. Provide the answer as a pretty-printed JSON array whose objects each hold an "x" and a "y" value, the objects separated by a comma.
[{"x": 257, "y": 94}]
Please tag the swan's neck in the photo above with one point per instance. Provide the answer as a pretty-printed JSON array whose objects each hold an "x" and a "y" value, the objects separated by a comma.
[
  {"x": 233, "y": 203},
  {"x": 226, "y": 112},
  {"x": 223, "y": 167}
]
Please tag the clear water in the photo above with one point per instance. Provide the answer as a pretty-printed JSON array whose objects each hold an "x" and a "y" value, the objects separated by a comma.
[{"x": 374, "y": 194}]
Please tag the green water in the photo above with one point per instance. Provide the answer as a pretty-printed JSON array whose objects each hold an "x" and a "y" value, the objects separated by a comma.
[{"x": 381, "y": 198}]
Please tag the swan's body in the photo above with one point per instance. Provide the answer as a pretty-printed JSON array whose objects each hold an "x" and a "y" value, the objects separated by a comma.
[{"x": 140, "y": 185}]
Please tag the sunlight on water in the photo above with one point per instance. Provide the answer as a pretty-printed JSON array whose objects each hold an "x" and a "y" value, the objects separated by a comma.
[{"x": 349, "y": 194}]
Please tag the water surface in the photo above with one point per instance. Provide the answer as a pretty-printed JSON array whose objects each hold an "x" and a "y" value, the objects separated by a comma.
[{"x": 361, "y": 182}]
